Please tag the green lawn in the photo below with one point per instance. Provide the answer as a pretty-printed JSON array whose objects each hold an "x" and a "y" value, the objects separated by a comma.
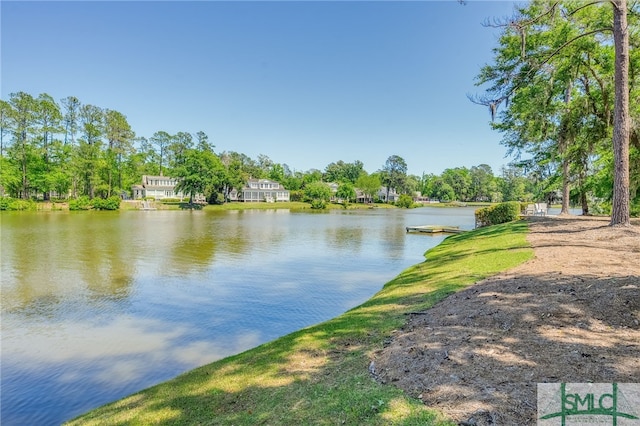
[{"x": 319, "y": 375}]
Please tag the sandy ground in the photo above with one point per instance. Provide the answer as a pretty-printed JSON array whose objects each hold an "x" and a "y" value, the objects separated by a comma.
[{"x": 572, "y": 314}]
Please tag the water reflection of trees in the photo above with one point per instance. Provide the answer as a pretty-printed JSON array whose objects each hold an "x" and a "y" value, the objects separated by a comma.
[
  {"x": 345, "y": 238},
  {"x": 202, "y": 236},
  {"x": 107, "y": 268},
  {"x": 53, "y": 258},
  {"x": 193, "y": 246},
  {"x": 389, "y": 235},
  {"x": 50, "y": 259},
  {"x": 60, "y": 257},
  {"x": 252, "y": 231}
]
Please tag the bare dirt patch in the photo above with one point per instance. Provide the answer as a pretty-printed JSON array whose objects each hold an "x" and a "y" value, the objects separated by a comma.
[{"x": 572, "y": 314}]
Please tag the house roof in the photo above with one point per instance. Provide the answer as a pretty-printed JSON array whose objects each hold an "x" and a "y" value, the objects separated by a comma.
[
  {"x": 157, "y": 177},
  {"x": 263, "y": 181}
]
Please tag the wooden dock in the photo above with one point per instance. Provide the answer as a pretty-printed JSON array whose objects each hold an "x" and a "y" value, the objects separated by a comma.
[{"x": 435, "y": 229}]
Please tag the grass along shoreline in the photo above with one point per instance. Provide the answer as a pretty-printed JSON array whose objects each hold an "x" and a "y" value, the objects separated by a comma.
[
  {"x": 47, "y": 206},
  {"x": 319, "y": 375}
]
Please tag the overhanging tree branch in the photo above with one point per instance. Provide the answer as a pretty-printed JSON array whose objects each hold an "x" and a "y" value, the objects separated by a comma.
[{"x": 493, "y": 103}]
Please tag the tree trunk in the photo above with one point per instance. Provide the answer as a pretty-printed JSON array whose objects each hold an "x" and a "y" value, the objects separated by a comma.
[
  {"x": 564, "y": 142},
  {"x": 25, "y": 194},
  {"x": 119, "y": 166},
  {"x": 620, "y": 211},
  {"x": 110, "y": 183},
  {"x": 585, "y": 204},
  {"x": 565, "y": 187},
  {"x": 583, "y": 192},
  {"x": 90, "y": 192},
  {"x": 46, "y": 195}
]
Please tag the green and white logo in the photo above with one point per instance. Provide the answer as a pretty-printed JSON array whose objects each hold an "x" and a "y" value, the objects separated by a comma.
[{"x": 575, "y": 404}]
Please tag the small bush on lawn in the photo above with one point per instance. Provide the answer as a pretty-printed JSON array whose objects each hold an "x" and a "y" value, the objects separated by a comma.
[
  {"x": 81, "y": 203},
  {"x": 318, "y": 204},
  {"x": 111, "y": 203},
  {"x": 297, "y": 195},
  {"x": 499, "y": 213},
  {"x": 405, "y": 201}
]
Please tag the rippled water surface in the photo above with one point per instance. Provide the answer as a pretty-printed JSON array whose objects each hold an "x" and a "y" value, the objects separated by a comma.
[{"x": 98, "y": 305}]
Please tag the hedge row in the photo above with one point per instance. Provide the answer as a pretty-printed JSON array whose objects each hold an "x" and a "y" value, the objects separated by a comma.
[
  {"x": 8, "y": 203},
  {"x": 498, "y": 213},
  {"x": 84, "y": 203}
]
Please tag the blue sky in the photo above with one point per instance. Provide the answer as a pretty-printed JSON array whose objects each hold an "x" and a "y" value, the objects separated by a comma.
[{"x": 306, "y": 83}]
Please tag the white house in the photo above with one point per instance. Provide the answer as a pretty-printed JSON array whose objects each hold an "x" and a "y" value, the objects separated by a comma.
[
  {"x": 393, "y": 195},
  {"x": 159, "y": 187},
  {"x": 334, "y": 189},
  {"x": 380, "y": 195},
  {"x": 260, "y": 190}
]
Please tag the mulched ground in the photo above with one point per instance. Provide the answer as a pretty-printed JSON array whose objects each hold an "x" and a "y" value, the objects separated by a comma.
[{"x": 572, "y": 314}]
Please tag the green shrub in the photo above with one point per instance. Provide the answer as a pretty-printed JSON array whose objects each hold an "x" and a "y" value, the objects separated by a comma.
[
  {"x": 170, "y": 200},
  {"x": 318, "y": 204},
  {"x": 111, "y": 203},
  {"x": 4, "y": 203},
  {"x": 8, "y": 203},
  {"x": 600, "y": 208},
  {"x": 297, "y": 195},
  {"x": 217, "y": 198},
  {"x": 81, "y": 203},
  {"x": 98, "y": 203},
  {"x": 114, "y": 202},
  {"x": 405, "y": 201},
  {"x": 499, "y": 213},
  {"x": 24, "y": 205},
  {"x": 84, "y": 203}
]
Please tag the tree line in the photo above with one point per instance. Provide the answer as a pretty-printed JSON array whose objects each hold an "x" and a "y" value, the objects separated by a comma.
[
  {"x": 559, "y": 90},
  {"x": 66, "y": 150}
]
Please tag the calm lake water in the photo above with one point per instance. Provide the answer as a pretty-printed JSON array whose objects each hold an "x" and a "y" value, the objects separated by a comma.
[{"x": 98, "y": 305}]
